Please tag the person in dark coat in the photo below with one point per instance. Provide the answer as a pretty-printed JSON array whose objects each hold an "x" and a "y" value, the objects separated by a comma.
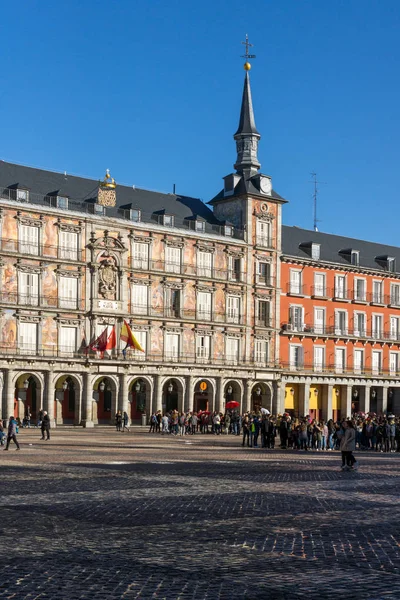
[
  {"x": 45, "y": 427},
  {"x": 284, "y": 433},
  {"x": 12, "y": 433}
]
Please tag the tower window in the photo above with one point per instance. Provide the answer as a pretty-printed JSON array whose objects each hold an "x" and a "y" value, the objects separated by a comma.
[
  {"x": 355, "y": 258},
  {"x": 315, "y": 251}
]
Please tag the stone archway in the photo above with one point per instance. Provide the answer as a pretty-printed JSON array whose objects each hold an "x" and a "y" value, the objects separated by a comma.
[
  {"x": 261, "y": 397},
  {"x": 104, "y": 401},
  {"x": 140, "y": 398},
  {"x": 172, "y": 395},
  {"x": 203, "y": 395},
  {"x": 233, "y": 393},
  {"x": 67, "y": 402},
  {"x": 28, "y": 393}
]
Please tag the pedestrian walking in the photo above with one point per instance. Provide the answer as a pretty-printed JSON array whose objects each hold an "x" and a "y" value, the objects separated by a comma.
[
  {"x": 125, "y": 421},
  {"x": 118, "y": 421},
  {"x": 348, "y": 445},
  {"x": 45, "y": 426},
  {"x": 12, "y": 433}
]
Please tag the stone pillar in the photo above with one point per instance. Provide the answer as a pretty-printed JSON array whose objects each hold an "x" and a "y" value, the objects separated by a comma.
[
  {"x": 384, "y": 405},
  {"x": 49, "y": 404},
  {"x": 327, "y": 401},
  {"x": 87, "y": 421},
  {"x": 278, "y": 400},
  {"x": 158, "y": 394},
  {"x": 21, "y": 400},
  {"x": 60, "y": 394},
  {"x": 114, "y": 403},
  {"x": 304, "y": 399},
  {"x": 10, "y": 395},
  {"x": 219, "y": 400},
  {"x": 189, "y": 394},
  {"x": 78, "y": 405},
  {"x": 247, "y": 396},
  {"x": 123, "y": 394},
  {"x": 345, "y": 407},
  {"x": 367, "y": 399}
]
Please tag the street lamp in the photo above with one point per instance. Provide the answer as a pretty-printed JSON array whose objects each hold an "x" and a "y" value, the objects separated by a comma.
[
  {"x": 355, "y": 393},
  {"x": 65, "y": 385},
  {"x": 102, "y": 386},
  {"x": 170, "y": 388},
  {"x": 258, "y": 391},
  {"x": 26, "y": 384},
  {"x": 229, "y": 390},
  {"x": 337, "y": 392},
  {"x": 373, "y": 393},
  {"x": 137, "y": 386}
]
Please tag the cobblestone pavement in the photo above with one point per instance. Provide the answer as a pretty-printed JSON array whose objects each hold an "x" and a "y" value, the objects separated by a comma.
[{"x": 107, "y": 515}]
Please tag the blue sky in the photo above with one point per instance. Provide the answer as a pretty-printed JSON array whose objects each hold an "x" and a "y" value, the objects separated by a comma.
[{"x": 152, "y": 90}]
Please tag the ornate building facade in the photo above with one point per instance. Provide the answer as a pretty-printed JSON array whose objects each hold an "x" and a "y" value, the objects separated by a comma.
[{"x": 199, "y": 287}]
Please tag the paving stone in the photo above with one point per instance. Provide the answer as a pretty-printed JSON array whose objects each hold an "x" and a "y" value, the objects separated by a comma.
[{"x": 104, "y": 515}]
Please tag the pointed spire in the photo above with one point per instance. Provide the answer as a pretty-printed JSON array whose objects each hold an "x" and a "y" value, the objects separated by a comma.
[
  {"x": 247, "y": 136},
  {"x": 246, "y": 123}
]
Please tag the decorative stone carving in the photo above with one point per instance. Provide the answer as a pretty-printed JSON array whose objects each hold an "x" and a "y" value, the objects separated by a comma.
[
  {"x": 106, "y": 197},
  {"x": 107, "y": 277}
]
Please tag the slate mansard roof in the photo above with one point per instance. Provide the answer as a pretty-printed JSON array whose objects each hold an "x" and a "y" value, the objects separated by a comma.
[
  {"x": 337, "y": 249},
  {"x": 82, "y": 192}
]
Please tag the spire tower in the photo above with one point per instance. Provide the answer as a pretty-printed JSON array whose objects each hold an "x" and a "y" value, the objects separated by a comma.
[{"x": 247, "y": 136}]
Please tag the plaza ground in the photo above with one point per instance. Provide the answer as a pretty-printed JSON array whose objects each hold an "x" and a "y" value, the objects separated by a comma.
[{"x": 96, "y": 514}]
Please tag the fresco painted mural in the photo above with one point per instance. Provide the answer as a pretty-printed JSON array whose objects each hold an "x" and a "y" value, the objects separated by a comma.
[{"x": 8, "y": 330}]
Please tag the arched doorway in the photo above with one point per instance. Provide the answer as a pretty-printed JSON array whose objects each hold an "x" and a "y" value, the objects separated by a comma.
[
  {"x": 232, "y": 393},
  {"x": 27, "y": 395},
  {"x": 139, "y": 391},
  {"x": 202, "y": 396},
  {"x": 104, "y": 405},
  {"x": 170, "y": 396}
]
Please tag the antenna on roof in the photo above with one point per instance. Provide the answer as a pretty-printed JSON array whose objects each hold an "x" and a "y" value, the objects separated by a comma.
[
  {"x": 173, "y": 188},
  {"x": 315, "y": 197}
]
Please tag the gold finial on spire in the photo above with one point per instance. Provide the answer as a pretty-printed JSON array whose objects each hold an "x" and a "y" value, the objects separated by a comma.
[
  {"x": 108, "y": 181},
  {"x": 247, "y": 65}
]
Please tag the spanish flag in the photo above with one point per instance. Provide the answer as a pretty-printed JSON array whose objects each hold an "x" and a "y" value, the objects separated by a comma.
[{"x": 127, "y": 336}]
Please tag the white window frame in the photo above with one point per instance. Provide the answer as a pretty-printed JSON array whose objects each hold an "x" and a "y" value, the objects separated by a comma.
[
  {"x": 315, "y": 251},
  {"x": 204, "y": 306},
  {"x": 357, "y": 296},
  {"x": 358, "y": 331},
  {"x": 141, "y": 336},
  {"x": 67, "y": 296},
  {"x": 296, "y": 363},
  {"x": 340, "y": 291},
  {"x": 140, "y": 299},
  {"x": 140, "y": 255},
  {"x": 28, "y": 288},
  {"x": 71, "y": 347},
  {"x": 68, "y": 244},
  {"x": 340, "y": 351},
  {"x": 295, "y": 281},
  {"x": 172, "y": 346},
  {"x": 377, "y": 323},
  {"x": 204, "y": 263},
  {"x": 263, "y": 278},
  {"x": 29, "y": 239},
  {"x": 395, "y": 294},
  {"x": 233, "y": 306},
  {"x": 263, "y": 320},
  {"x": 394, "y": 363},
  {"x": 376, "y": 362},
  {"x": 264, "y": 234},
  {"x": 261, "y": 351},
  {"x": 203, "y": 347},
  {"x": 319, "y": 361},
  {"x": 319, "y": 291},
  {"x": 173, "y": 259},
  {"x": 318, "y": 328},
  {"x": 377, "y": 296},
  {"x": 296, "y": 317},
  {"x": 28, "y": 334},
  {"x": 234, "y": 274},
  {"x": 394, "y": 327},
  {"x": 358, "y": 368},
  {"x": 232, "y": 350},
  {"x": 338, "y": 331}
]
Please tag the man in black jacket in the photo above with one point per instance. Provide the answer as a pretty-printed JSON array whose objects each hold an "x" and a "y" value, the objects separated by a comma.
[{"x": 45, "y": 426}]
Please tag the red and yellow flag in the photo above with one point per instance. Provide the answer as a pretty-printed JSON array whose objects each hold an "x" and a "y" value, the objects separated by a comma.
[{"x": 127, "y": 336}]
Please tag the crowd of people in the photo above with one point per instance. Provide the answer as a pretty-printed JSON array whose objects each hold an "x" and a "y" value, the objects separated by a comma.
[{"x": 262, "y": 430}]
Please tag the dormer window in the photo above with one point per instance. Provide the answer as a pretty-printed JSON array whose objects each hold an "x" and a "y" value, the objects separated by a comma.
[
  {"x": 62, "y": 202},
  {"x": 387, "y": 262},
  {"x": 315, "y": 251},
  {"x": 168, "y": 220},
  {"x": 355, "y": 258},
  {"x": 97, "y": 209},
  {"x": 200, "y": 226},
  {"x": 22, "y": 195},
  {"x": 135, "y": 214},
  {"x": 228, "y": 230}
]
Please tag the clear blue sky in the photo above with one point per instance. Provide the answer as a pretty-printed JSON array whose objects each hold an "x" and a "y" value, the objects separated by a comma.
[{"x": 152, "y": 90}]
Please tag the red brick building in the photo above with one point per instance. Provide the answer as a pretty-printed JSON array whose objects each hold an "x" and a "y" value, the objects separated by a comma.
[{"x": 340, "y": 324}]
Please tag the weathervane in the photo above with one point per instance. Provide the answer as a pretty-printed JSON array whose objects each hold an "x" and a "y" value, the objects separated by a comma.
[{"x": 248, "y": 45}]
